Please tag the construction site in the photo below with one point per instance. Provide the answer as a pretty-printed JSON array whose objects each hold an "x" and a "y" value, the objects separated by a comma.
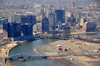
[{"x": 73, "y": 51}]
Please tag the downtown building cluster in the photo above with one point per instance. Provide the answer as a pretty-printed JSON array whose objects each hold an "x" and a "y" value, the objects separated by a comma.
[
  {"x": 21, "y": 27},
  {"x": 78, "y": 17}
]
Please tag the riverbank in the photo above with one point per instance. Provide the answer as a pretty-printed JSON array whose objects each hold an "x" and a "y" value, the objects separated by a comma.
[
  {"x": 78, "y": 54},
  {"x": 72, "y": 33},
  {"x": 5, "y": 49}
]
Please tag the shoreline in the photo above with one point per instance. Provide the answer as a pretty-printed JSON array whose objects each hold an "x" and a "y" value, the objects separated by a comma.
[
  {"x": 52, "y": 58},
  {"x": 6, "y": 51},
  {"x": 73, "y": 33},
  {"x": 15, "y": 47},
  {"x": 50, "y": 50},
  {"x": 56, "y": 59}
]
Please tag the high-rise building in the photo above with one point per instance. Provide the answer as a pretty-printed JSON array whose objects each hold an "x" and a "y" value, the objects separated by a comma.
[
  {"x": 90, "y": 26},
  {"x": 17, "y": 18},
  {"x": 12, "y": 29},
  {"x": 51, "y": 18},
  {"x": 99, "y": 13},
  {"x": 6, "y": 31},
  {"x": 40, "y": 13},
  {"x": 93, "y": 4},
  {"x": 33, "y": 19},
  {"x": 26, "y": 29},
  {"x": 3, "y": 20},
  {"x": 59, "y": 16},
  {"x": 45, "y": 24},
  {"x": 82, "y": 21},
  {"x": 72, "y": 4},
  {"x": 16, "y": 29},
  {"x": 26, "y": 19},
  {"x": 48, "y": 10}
]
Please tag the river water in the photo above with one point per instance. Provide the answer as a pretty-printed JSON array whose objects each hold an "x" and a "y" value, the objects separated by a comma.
[{"x": 27, "y": 48}]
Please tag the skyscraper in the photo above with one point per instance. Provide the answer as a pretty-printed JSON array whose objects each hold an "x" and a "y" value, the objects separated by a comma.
[
  {"x": 32, "y": 18},
  {"x": 40, "y": 13},
  {"x": 48, "y": 10},
  {"x": 51, "y": 18},
  {"x": 26, "y": 29},
  {"x": 25, "y": 19},
  {"x": 59, "y": 16},
  {"x": 6, "y": 31},
  {"x": 45, "y": 24},
  {"x": 72, "y": 4},
  {"x": 17, "y": 18},
  {"x": 11, "y": 30}
]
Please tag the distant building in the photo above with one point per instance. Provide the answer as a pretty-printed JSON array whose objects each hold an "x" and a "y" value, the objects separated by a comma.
[
  {"x": 72, "y": 4},
  {"x": 78, "y": 16},
  {"x": 3, "y": 20},
  {"x": 82, "y": 21},
  {"x": 6, "y": 30},
  {"x": 90, "y": 26},
  {"x": 45, "y": 25},
  {"x": 17, "y": 18},
  {"x": 40, "y": 13},
  {"x": 48, "y": 10},
  {"x": 59, "y": 16},
  {"x": 93, "y": 4},
  {"x": 51, "y": 18}
]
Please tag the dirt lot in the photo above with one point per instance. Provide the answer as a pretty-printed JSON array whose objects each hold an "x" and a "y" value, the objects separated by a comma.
[{"x": 76, "y": 47}]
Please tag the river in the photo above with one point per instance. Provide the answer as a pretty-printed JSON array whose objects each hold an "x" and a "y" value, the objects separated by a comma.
[{"x": 27, "y": 48}]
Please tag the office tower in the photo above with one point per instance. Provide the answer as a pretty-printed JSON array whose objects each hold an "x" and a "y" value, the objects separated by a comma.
[
  {"x": 48, "y": 10},
  {"x": 6, "y": 31},
  {"x": 45, "y": 24},
  {"x": 78, "y": 15},
  {"x": 59, "y": 16},
  {"x": 10, "y": 19},
  {"x": 93, "y": 4},
  {"x": 15, "y": 29},
  {"x": 26, "y": 29},
  {"x": 40, "y": 13},
  {"x": 17, "y": 18},
  {"x": 99, "y": 13},
  {"x": 72, "y": 4},
  {"x": 82, "y": 21},
  {"x": 12, "y": 29},
  {"x": 3, "y": 20},
  {"x": 26, "y": 19},
  {"x": 51, "y": 18},
  {"x": 72, "y": 18},
  {"x": 32, "y": 18},
  {"x": 90, "y": 26}
]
